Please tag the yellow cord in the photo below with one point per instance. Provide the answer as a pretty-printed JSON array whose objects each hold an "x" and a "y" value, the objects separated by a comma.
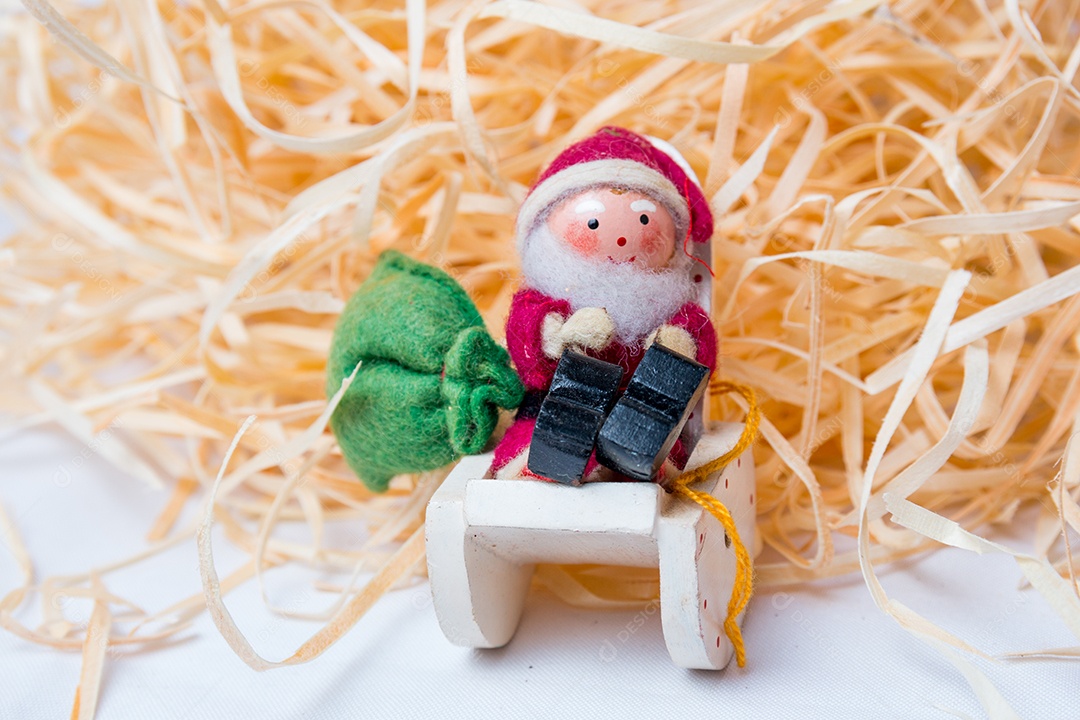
[{"x": 744, "y": 571}]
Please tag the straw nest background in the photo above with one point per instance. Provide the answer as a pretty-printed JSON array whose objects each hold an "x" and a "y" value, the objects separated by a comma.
[{"x": 199, "y": 186}]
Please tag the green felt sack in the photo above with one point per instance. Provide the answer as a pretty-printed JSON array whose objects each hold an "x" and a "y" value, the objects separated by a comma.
[{"x": 431, "y": 378}]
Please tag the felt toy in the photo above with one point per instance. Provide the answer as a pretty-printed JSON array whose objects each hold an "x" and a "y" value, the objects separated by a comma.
[
  {"x": 610, "y": 335},
  {"x": 606, "y": 237},
  {"x": 614, "y": 349},
  {"x": 431, "y": 378}
]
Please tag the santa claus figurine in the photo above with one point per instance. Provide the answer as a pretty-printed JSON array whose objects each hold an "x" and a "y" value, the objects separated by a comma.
[{"x": 605, "y": 333}]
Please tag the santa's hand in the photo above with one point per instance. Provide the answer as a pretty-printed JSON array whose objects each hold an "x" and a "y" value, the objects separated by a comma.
[
  {"x": 587, "y": 329},
  {"x": 551, "y": 335},
  {"x": 590, "y": 328},
  {"x": 674, "y": 338}
]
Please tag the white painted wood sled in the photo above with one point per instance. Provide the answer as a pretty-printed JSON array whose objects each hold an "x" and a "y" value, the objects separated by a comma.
[{"x": 484, "y": 537}]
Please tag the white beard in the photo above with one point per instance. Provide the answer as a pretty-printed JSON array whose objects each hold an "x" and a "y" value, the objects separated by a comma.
[{"x": 638, "y": 299}]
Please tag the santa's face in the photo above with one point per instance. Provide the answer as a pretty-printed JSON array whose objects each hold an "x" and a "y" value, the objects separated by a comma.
[{"x": 620, "y": 226}]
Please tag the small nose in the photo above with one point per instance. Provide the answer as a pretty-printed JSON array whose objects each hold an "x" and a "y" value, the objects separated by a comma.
[{"x": 621, "y": 241}]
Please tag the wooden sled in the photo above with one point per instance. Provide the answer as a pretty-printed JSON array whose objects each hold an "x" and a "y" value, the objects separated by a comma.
[{"x": 484, "y": 537}]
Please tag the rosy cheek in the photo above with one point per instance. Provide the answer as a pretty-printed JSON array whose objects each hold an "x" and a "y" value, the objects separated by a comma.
[
  {"x": 582, "y": 239},
  {"x": 651, "y": 243}
]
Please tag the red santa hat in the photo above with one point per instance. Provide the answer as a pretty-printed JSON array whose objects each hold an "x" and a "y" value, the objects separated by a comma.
[{"x": 618, "y": 157}]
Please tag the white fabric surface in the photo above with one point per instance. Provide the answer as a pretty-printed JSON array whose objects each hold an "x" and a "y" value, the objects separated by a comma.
[{"x": 816, "y": 651}]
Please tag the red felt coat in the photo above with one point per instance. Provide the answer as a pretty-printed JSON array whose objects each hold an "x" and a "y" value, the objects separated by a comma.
[{"x": 524, "y": 340}]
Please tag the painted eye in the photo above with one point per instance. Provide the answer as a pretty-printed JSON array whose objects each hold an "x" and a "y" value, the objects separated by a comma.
[
  {"x": 644, "y": 219},
  {"x": 593, "y": 223}
]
